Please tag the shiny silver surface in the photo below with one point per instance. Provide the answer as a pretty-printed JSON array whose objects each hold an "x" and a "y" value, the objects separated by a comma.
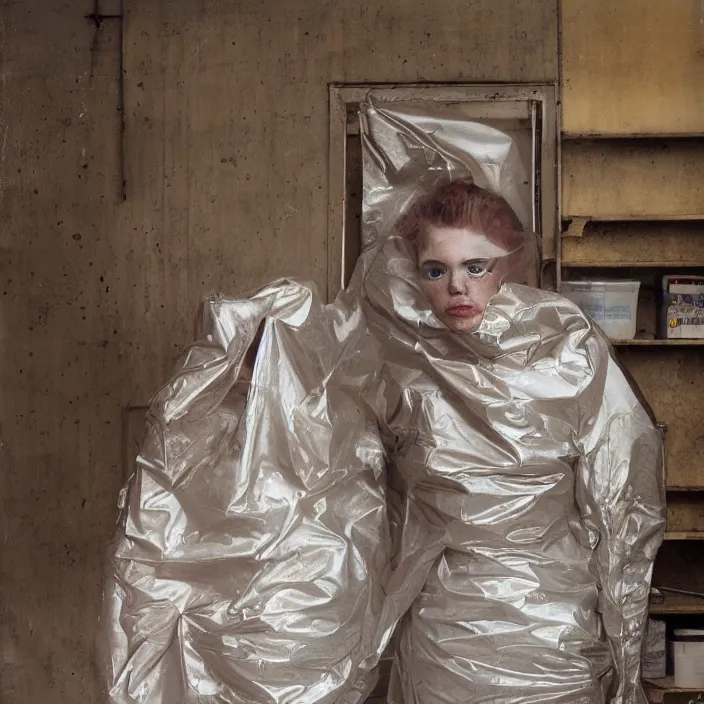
[
  {"x": 253, "y": 535},
  {"x": 317, "y": 478}
]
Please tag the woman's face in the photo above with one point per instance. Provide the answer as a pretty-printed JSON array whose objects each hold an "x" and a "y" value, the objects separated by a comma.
[{"x": 452, "y": 263}]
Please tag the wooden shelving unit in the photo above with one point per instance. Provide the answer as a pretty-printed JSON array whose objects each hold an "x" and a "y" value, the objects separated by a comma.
[
  {"x": 652, "y": 236},
  {"x": 633, "y": 149}
]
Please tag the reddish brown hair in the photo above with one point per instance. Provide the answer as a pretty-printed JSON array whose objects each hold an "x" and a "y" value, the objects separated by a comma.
[{"x": 463, "y": 204}]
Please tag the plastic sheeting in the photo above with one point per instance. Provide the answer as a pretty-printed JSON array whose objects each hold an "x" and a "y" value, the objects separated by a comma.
[
  {"x": 253, "y": 532},
  {"x": 317, "y": 479}
]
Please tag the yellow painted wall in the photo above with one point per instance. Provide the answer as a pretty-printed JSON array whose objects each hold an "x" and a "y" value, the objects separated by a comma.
[{"x": 633, "y": 66}]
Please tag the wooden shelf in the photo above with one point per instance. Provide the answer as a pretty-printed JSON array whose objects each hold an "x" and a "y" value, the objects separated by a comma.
[
  {"x": 640, "y": 217},
  {"x": 677, "y": 604},
  {"x": 658, "y": 343},
  {"x": 668, "y": 684},
  {"x": 683, "y": 489},
  {"x": 656, "y": 689},
  {"x": 684, "y": 535},
  {"x": 650, "y": 136},
  {"x": 632, "y": 265}
]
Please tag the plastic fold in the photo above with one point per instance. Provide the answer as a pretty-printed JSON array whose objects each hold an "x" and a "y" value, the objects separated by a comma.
[{"x": 320, "y": 483}]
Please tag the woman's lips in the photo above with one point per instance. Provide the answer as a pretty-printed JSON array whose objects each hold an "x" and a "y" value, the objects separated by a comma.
[{"x": 462, "y": 311}]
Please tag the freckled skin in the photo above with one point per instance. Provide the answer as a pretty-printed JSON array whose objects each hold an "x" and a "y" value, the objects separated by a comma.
[{"x": 452, "y": 263}]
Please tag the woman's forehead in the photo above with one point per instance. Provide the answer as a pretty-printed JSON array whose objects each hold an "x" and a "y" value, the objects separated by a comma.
[{"x": 456, "y": 244}]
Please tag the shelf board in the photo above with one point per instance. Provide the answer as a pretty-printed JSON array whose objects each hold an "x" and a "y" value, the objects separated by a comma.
[
  {"x": 656, "y": 689},
  {"x": 650, "y": 136},
  {"x": 642, "y": 217},
  {"x": 632, "y": 265},
  {"x": 684, "y": 535},
  {"x": 677, "y": 604},
  {"x": 658, "y": 343},
  {"x": 668, "y": 684},
  {"x": 682, "y": 489}
]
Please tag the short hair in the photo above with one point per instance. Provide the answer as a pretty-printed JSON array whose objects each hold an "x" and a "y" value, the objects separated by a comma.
[{"x": 462, "y": 204}]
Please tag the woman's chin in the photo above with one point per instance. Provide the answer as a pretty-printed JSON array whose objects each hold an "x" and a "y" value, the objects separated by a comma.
[{"x": 462, "y": 324}]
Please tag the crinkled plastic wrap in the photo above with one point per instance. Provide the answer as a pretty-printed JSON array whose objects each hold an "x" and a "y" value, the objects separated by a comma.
[
  {"x": 253, "y": 536},
  {"x": 530, "y": 477},
  {"x": 410, "y": 146},
  {"x": 491, "y": 502}
]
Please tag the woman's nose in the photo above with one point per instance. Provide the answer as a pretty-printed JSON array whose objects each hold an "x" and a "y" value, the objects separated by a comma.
[{"x": 456, "y": 283}]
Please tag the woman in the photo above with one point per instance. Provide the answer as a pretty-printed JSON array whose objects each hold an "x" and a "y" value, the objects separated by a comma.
[
  {"x": 256, "y": 562},
  {"x": 527, "y": 468}
]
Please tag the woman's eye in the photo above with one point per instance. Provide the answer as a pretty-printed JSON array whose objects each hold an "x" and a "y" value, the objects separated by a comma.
[
  {"x": 476, "y": 270},
  {"x": 434, "y": 273}
]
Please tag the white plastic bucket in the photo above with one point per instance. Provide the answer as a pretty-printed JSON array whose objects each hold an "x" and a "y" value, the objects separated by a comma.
[
  {"x": 612, "y": 304},
  {"x": 688, "y": 654}
]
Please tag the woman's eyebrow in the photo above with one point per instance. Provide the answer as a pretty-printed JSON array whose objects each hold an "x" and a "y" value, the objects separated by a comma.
[
  {"x": 476, "y": 261},
  {"x": 433, "y": 262}
]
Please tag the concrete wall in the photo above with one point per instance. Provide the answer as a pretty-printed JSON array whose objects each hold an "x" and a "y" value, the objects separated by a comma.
[{"x": 225, "y": 161}]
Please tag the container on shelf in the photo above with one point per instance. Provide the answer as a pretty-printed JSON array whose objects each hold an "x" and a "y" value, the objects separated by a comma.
[
  {"x": 688, "y": 656},
  {"x": 682, "y": 308},
  {"x": 654, "y": 650},
  {"x": 612, "y": 304}
]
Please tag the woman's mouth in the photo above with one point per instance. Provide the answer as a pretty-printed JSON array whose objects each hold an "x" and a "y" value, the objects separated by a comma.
[{"x": 462, "y": 311}]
